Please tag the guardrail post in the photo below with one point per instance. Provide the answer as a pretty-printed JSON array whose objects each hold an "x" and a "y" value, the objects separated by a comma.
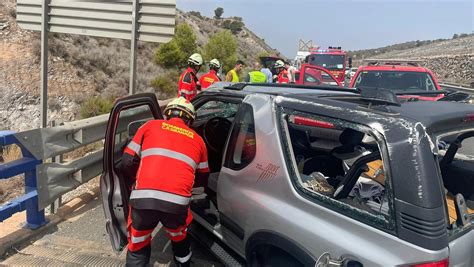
[{"x": 34, "y": 217}]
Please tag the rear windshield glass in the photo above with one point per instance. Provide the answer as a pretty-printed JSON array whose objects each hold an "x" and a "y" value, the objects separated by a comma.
[{"x": 456, "y": 161}]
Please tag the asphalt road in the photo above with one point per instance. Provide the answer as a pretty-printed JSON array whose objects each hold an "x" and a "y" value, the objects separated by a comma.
[{"x": 83, "y": 241}]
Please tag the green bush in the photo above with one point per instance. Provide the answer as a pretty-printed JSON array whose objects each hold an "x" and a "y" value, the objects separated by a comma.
[
  {"x": 166, "y": 85},
  {"x": 222, "y": 46},
  {"x": 176, "y": 52},
  {"x": 195, "y": 13},
  {"x": 168, "y": 54},
  {"x": 233, "y": 25},
  {"x": 95, "y": 106}
]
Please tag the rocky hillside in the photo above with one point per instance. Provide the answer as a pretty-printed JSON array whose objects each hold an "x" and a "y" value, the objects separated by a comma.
[
  {"x": 81, "y": 67},
  {"x": 452, "y": 60}
]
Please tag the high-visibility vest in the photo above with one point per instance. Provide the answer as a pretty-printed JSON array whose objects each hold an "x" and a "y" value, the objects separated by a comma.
[
  {"x": 257, "y": 76},
  {"x": 235, "y": 77},
  {"x": 170, "y": 153}
]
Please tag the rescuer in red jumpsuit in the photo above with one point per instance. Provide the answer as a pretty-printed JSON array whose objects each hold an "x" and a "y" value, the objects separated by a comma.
[
  {"x": 188, "y": 84},
  {"x": 168, "y": 155},
  {"x": 211, "y": 77},
  {"x": 282, "y": 76}
]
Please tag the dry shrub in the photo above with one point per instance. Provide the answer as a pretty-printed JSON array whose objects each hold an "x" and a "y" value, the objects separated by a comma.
[
  {"x": 12, "y": 187},
  {"x": 10, "y": 153},
  {"x": 96, "y": 106}
]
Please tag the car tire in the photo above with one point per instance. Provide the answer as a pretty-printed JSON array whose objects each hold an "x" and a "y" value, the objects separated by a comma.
[{"x": 272, "y": 256}]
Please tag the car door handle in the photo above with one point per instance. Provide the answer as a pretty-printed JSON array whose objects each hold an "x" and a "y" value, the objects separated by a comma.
[{"x": 325, "y": 260}]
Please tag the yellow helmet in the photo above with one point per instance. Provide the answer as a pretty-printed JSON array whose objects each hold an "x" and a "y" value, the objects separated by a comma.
[{"x": 180, "y": 107}]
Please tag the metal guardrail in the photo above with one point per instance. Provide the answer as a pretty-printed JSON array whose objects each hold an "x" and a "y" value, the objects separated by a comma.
[
  {"x": 27, "y": 166},
  {"x": 46, "y": 181},
  {"x": 456, "y": 87}
]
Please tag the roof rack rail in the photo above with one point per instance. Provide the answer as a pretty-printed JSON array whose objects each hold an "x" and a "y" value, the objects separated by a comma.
[
  {"x": 378, "y": 62},
  {"x": 241, "y": 86}
]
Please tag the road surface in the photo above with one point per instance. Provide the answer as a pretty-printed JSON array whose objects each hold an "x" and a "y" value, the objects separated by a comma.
[{"x": 82, "y": 241}]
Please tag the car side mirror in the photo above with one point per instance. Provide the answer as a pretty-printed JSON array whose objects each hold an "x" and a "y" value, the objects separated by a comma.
[{"x": 349, "y": 60}]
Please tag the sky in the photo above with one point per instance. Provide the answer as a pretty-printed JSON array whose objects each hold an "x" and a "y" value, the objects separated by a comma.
[{"x": 353, "y": 25}]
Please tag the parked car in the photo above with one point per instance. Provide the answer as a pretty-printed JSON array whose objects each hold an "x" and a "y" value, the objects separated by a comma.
[
  {"x": 320, "y": 176},
  {"x": 403, "y": 77}
]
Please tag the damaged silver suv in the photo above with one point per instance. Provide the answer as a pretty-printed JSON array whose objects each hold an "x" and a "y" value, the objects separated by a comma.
[{"x": 321, "y": 177}]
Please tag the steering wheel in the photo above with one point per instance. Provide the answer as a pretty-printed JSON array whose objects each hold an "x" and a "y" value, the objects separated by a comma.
[{"x": 215, "y": 133}]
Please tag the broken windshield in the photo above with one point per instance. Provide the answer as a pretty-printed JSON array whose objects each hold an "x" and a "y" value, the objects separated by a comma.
[{"x": 456, "y": 161}]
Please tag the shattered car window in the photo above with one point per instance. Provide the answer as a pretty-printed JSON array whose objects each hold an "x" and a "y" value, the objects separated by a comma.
[
  {"x": 456, "y": 162},
  {"x": 340, "y": 165},
  {"x": 217, "y": 109}
]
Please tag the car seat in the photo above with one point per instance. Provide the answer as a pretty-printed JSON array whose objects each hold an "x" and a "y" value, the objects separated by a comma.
[{"x": 350, "y": 150}]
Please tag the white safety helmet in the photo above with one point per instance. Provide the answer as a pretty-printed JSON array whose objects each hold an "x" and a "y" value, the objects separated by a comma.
[
  {"x": 279, "y": 64},
  {"x": 195, "y": 59},
  {"x": 215, "y": 63}
]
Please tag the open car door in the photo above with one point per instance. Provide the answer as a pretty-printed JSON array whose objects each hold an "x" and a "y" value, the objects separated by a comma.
[
  {"x": 127, "y": 115},
  {"x": 314, "y": 75}
]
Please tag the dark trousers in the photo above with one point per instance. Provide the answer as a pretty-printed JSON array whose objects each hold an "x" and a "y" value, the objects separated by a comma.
[{"x": 141, "y": 224}]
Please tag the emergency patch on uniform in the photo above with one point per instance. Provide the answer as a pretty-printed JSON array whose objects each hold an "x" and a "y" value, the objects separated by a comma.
[
  {"x": 169, "y": 127},
  {"x": 209, "y": 80}
]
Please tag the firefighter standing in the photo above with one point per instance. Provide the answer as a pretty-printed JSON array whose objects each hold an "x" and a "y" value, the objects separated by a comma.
[
  {"x": 188, "y": 85},
  {"x": 169, "y": 155},
  {"x": 211, "y": 77},
  {"x": 282, "y": 76}
]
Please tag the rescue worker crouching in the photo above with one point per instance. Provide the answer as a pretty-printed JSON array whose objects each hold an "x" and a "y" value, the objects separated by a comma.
[
  {"x": 282, "y": 73},
  {"x": 188, "y": 85},
  {"x": 211, "y": 77},
  {"x": 171, "y": 156}
]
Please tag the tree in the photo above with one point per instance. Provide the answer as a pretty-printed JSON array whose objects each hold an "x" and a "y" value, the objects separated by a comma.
[
  {"x": 186, "y": 41},
  {"x": 222, "y": 46},
  {"x": 176, "y": 52},
  {"x": 455, "y": 36},
  {"x": 218, "y": 12},
  {"x": 168, "y": 54}
]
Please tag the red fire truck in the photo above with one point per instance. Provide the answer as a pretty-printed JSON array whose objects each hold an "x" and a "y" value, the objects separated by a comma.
[{"x": 333, "y": 59}]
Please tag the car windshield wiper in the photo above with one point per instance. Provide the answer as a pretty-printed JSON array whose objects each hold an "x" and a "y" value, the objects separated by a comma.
[{"x": 419, "y": 92}]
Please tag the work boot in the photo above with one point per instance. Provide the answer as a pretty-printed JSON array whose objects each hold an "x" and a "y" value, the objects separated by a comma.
[{"x": 182, "y": 264}]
